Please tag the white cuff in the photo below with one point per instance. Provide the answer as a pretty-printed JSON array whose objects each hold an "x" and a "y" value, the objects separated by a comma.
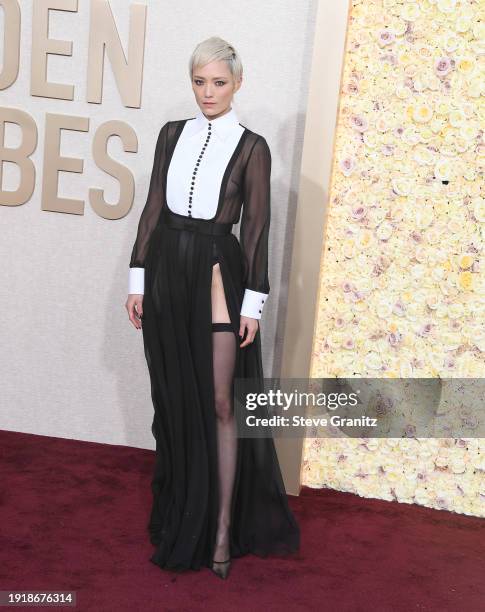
[
  {"x": 136, "y": 281},
  {"x": 253, "y": 303}
]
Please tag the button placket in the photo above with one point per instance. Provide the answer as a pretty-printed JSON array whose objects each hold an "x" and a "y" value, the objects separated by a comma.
[{"x": 194, "y": 173}]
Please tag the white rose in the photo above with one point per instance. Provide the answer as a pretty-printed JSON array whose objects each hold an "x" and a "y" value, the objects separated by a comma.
[{"x": 446, "y": 6}]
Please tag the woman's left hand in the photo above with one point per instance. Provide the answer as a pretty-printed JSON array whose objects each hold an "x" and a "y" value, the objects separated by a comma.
[{"x": 252, "y": 325}]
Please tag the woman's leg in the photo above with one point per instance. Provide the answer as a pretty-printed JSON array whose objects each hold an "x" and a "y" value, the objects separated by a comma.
[{"x": 224, "y": 359}]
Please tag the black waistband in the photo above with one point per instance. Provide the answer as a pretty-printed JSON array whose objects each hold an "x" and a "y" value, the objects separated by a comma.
[{"x": 205, "y": 226}]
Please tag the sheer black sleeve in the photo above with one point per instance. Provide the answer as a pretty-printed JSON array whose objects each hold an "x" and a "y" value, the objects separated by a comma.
[
  {"x": 255, "y": 220},
  {"x": 153, "y": 206}
]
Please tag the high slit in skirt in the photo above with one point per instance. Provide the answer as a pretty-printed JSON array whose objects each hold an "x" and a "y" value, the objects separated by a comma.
[{"x": 177, "y": 337}]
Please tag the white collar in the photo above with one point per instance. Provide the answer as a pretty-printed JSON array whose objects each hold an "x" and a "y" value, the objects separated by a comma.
[{"x": 222, "y": 126}]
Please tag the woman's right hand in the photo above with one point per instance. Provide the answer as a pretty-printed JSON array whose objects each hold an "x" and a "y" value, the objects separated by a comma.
[{"x": 134, "y": 306}]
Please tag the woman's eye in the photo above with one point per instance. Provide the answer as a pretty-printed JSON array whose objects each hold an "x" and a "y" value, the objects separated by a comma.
[{"x": 219, "y": 83}]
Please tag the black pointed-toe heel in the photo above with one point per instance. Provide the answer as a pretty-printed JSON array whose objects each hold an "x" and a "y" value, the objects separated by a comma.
[{"x": 222, "y": 572}]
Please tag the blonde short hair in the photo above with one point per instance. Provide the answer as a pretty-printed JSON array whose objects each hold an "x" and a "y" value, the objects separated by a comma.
[{"x": 214, "y": 49}]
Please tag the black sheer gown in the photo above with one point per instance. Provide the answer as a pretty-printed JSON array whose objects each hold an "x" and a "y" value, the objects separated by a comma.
[{"x": 177, "y": 253}]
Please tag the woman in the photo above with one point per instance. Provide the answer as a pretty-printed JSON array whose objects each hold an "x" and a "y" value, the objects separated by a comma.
[{"x": 193, "y": 289}]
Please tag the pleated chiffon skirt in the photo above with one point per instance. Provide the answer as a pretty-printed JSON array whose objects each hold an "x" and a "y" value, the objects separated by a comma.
[{"x": 177, "y": 336}]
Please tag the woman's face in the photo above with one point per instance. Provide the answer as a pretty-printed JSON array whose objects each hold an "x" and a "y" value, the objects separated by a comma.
[{"x": 214, "y": 87}]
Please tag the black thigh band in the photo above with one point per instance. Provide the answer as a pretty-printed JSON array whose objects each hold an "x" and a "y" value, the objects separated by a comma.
[{"x": 222, "y": 327}]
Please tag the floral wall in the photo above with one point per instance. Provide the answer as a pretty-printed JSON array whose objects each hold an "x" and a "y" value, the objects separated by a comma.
[{"x": 402, "y": 290}]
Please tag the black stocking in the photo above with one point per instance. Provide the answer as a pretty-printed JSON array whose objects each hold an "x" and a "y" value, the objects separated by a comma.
[{"x": 224, "y": 357}]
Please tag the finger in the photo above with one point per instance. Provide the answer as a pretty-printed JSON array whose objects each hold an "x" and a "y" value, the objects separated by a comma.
[
  {"x": 246, "y": 342},
  {"x": 133, "y": 318}
]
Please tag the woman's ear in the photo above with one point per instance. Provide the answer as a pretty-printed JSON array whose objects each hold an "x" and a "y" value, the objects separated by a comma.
[{"x": 237, "y": 85}]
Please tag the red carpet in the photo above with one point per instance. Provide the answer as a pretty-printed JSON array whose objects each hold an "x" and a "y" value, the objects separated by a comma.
[{"x": 73, "y": 516}]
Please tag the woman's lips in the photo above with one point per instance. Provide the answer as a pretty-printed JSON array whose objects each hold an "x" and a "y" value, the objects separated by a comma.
[{"x": 209, "y": 103}]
